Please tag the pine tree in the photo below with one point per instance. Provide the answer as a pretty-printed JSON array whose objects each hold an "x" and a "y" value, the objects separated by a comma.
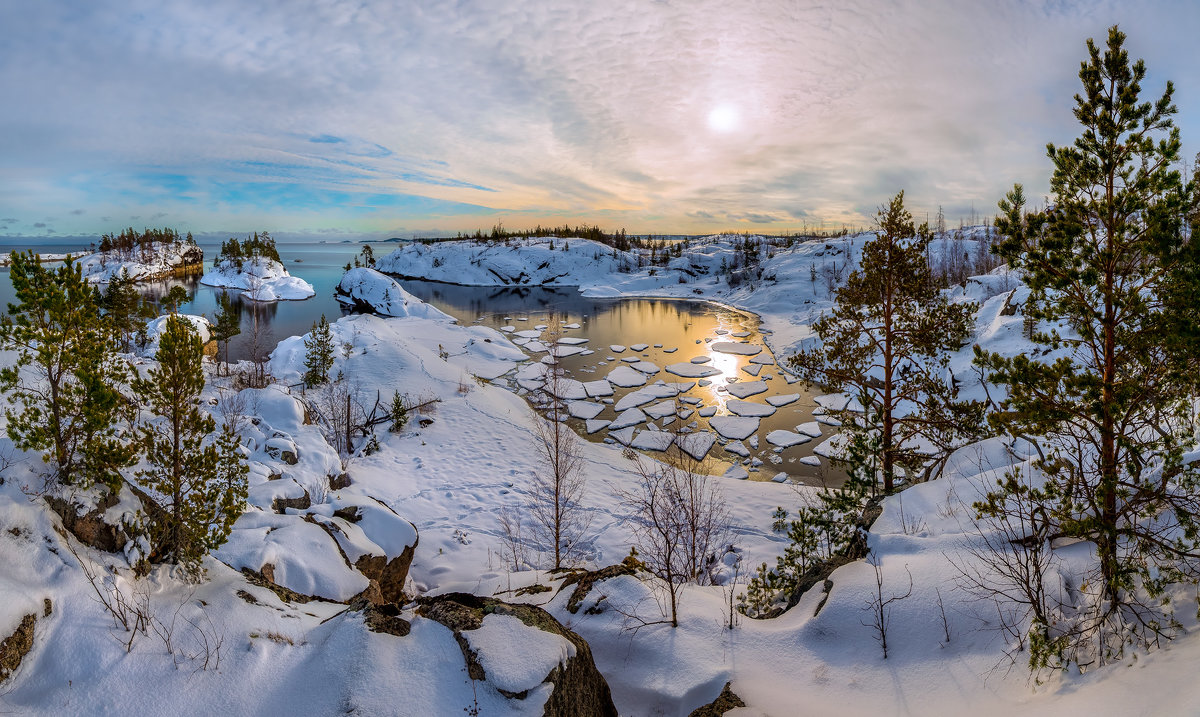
[
  {"x": 399, "y": 413},
  {"x": 886, "y": 342},
  {"x": 66, "y": 380},
  {"x": 319, "y": 356},
  {"x": 123, "y": 306},
  {"x": 227, "y": 324},
  {"x": 199, "y": 480},
  {"x": 1113, "y": 271}
]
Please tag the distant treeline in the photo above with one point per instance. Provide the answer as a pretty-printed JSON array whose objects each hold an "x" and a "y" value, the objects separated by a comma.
[{"x": 618, "y": 240}]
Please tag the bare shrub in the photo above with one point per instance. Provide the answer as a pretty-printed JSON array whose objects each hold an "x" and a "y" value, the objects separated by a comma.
[
  {"x": 881, "y": 607},
  {"x": 680, "y": 522}
]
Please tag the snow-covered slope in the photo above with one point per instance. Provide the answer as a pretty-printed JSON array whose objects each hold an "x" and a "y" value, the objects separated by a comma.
[
  {"x": 260, "y": 279},
  {"x": 161, "y": 260},
  {"x": 372, "y": 291},
  {"x": 548, "y": 262}
]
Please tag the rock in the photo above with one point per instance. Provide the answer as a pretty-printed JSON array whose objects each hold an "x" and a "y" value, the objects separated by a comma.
[
  {"x": 282, "y": 449},
  {"x": 16, "y": 646},
  {"x": 579, "y": 688},
  {"x": 265, "y": 578},
  {"x": 383, "y": 618},
  {"x": 389, "y": 574},
  {"x": 339, "y": 481},
  {"x": 725, "y": 702},
  {"x": 280, "y": 505},
  {"x": 348, "y": 513},
  {"x": 90, "y": 528},
  {"x": 585, "y": 579}
]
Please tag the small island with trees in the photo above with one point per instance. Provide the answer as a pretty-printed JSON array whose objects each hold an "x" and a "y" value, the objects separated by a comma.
[{"x": 253, "y": 265}]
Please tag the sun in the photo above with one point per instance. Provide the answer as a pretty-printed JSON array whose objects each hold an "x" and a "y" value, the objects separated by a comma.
[{"x": 724, "y": 118}]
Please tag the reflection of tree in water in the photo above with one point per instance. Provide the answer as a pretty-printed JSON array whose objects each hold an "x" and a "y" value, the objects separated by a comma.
[{"x": 156, "y": 290}]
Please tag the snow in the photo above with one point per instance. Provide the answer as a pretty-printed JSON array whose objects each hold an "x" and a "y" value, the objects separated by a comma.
[
  {"x": 697, "y": 445},
  {"x": 383, "y": 295},
  {"x": 691, "y": 370},
  {"x": 626, "y": 377},
  {"x": 450, "y": 478},
  {"x": 661, "y": 410},
  {"x": 783, "y": 399},
  {"x": 652, "y": 440},
  {"x": 584, "y": 409},
  {"x": 645, "y": 367},
  {"x": 163, "y": 260},
  {"x": 749, "y": 408},
  {"x": 749, "y": 388},
  {"x": 786, "y": 439},
  {"x": 735, "y": 427},
  {"x": 596, "y": 389},
  {"x": 595, "y": 425},
  {"x": 639, "y": 347},
  {"x": 259, "y": 279},
  {"x": 627, "y": 418},
  {"x": 731, "y": 347},
  {"x": 617, "y": 348},
  {"x": 809, "y": 428},
  {"x": 514, "y": 657}
]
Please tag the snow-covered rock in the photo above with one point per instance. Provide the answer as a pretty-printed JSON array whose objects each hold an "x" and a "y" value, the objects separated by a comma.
[
  {"x": 370, "y": 290},
  {"x": 161, "y": 260},
  {"x": 259, "y": 279}
]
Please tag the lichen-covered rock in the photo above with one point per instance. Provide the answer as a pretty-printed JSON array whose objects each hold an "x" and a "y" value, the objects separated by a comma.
[
  {"x": 16, "y": 646},
  {"x": 578, "y": 687},
  {"x": 583, "y": 580},
  {"x": 726, "y": 701}
]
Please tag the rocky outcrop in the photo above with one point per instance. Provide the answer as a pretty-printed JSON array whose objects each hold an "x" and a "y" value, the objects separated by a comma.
[
  {"x": 583, "y": 580},
  {"x": 89, "y": 527},
  {"x": 16, "y": 646},
  {"x": 280, "y": 505},
  {"x": 725, "y": 702},
  {"x": 579, "y": 688},
  {"x": 388, "y": 574}
]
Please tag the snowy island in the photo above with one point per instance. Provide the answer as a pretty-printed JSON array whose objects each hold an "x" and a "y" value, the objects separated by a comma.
[
  {"x": 254, "y": 267},
  {"x": 151, "y": 255}
]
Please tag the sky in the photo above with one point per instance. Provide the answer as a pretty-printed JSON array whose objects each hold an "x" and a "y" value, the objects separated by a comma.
[{"x": 376, "y": 119}]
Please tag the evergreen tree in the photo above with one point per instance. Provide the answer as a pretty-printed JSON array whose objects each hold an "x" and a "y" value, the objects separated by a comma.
[
  {"x": 227, "y": 323},
  {"x": 66, "y": 380},
  {"x": 1114, "y": 273},
  {"x": 319, "y": 357},
  {"x": 886, "y": 343},
  {"x": 399, "y": 413},
  {"x": 200, "y": 481},
  {"x": 123, "y": 306}
]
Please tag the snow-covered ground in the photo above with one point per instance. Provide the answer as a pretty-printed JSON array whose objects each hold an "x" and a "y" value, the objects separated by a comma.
[
  {"x": 441, "y": 483},
  {"x": 161, "y": 260},
  {"x": 260, "y": 279}
]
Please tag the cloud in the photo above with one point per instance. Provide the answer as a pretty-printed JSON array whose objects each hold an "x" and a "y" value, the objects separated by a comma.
[
  {"x": 79, "y": 212},
  {"x": 502, "y": 108},
  {"x": 39, "y": 225}
]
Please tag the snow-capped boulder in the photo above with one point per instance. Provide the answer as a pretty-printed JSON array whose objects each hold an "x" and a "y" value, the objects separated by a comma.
[{"x": 523, "y": 653}]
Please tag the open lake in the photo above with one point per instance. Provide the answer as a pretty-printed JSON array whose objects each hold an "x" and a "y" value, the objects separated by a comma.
[{"x": 675, "y": 333}]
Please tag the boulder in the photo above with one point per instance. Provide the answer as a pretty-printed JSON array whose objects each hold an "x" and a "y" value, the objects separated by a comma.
[
  {"x": 89, "y": 527},
  {"x": 579, "y": 688},
  {"x": 726, "y": 701}
]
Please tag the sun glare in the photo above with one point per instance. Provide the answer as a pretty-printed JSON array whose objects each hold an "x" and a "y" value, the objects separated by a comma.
[{"x": 723, "y": 118}]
